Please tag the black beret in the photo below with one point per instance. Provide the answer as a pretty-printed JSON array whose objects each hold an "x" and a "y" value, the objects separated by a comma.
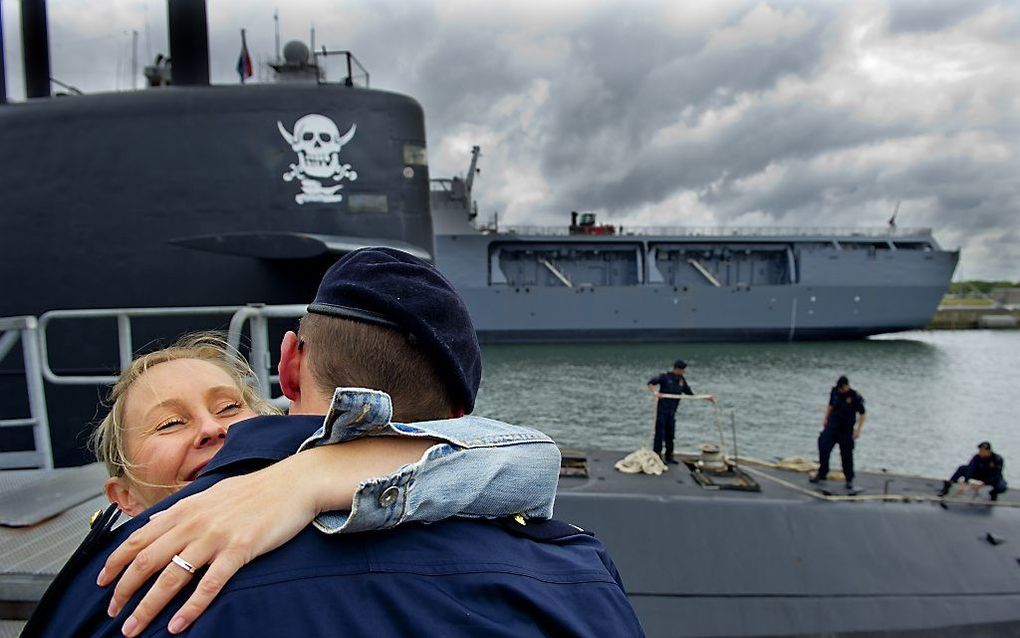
[{"x": 391, "y": 288}]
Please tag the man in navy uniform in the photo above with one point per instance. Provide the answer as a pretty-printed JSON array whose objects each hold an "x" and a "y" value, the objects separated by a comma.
[
  {"x": 985, "y": 466},
  {"x": 669, "y": 383},
  {"x": 838, "y": 427},
  {"x": 458, "y": 577}
]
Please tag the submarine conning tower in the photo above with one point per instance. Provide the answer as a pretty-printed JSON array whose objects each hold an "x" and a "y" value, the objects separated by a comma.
[
  {"x": 213, "y": 192},
  {"x": 193, "y": 195}
]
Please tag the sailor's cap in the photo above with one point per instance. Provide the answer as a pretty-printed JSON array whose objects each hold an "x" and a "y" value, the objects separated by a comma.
[{"x": 391, "y": 288}]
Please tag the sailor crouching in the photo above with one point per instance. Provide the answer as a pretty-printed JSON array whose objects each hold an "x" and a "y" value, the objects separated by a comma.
[{"x": 985, "y": 466}]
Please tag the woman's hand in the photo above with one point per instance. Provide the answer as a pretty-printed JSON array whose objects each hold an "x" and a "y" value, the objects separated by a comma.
[{"x": 221, "y": 528}]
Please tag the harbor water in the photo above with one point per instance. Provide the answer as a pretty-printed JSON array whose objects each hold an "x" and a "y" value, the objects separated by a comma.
[{"x": 931, "y": 396}]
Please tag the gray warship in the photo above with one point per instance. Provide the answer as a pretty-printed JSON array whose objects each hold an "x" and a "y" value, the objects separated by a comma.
[
  {"x": 167, "y": 210},
  {"x": 591, "y": 282}
]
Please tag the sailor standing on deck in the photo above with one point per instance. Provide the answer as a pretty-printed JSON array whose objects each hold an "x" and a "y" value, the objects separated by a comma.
[
  {"x": 838, "y": 428},
  {"x": 665, "y": 408}
]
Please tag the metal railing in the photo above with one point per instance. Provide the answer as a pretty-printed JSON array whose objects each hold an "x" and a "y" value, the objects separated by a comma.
[
  {"x": 728, "y": 231},
  {"x": 255, "y": 314},
  {"x": 124, "y": 342},
  {"x": 355, "y": 74},
  {"x": 25, "y": 329},
  {"x": 34, "y": 333},
  {"x": 260, "y": 354}
]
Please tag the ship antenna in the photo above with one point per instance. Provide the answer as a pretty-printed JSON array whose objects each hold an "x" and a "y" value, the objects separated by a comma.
[
  {"x": 134, "y": 59},
  {"x": 276, "y": 26},
  {"x": 3, "y": 75}
]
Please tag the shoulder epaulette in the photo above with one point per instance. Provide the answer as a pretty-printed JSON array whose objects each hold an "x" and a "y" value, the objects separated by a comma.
[{"x": 540, "y": 529}]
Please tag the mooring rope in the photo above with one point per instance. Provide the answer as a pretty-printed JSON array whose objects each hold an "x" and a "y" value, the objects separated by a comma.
[{"x": 899, "y": 498}]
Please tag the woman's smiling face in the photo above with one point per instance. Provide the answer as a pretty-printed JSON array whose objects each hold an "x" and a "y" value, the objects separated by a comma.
[{"x": 176, "y": 416}]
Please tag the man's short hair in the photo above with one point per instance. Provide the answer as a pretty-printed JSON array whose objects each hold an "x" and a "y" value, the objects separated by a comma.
[
  {"x": 842, "y": 381},
  {"x": 346, "y": 353},
  {"x": 985, "y": 445},
  {"x": 397, "y": 291}
]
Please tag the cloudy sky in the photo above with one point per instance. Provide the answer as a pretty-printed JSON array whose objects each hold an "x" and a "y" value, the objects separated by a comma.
[{"x": 737, "y": 113}]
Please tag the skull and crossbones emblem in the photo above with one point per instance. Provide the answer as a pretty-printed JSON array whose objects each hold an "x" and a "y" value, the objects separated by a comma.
[{"x": 317, "y": 142}]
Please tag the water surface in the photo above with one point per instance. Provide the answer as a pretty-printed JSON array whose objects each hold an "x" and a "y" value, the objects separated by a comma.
[{"x": 931, "y": 395}]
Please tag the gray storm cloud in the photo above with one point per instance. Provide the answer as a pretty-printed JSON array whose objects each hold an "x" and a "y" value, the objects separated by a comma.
[{"x": 783, "y": 113}]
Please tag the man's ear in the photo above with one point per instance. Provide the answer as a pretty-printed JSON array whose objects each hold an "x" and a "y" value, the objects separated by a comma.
[
  {"x": 291, "y": 359},
  {"x": 119, "y": 491}
]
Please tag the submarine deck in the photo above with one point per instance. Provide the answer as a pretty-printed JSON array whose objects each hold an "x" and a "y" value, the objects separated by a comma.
[
  {"x": 777, "y": 482},
  {"x": 696, "y": 561},
  {"x": 893, "y": 560}
]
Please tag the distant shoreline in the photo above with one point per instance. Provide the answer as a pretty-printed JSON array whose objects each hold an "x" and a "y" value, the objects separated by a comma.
[{"x": 974, "y": 318}]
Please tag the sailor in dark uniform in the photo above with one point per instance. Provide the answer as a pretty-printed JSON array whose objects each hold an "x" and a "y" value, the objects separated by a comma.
[
  {"x": 838, "y": 428},
  {"x": 461, "y": 577},
  {"x": 674, "y": 383},
  {"x": 985, "y": 466}
]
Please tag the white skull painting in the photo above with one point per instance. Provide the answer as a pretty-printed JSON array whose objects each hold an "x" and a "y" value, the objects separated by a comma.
[{"x": 317, "y": 142}]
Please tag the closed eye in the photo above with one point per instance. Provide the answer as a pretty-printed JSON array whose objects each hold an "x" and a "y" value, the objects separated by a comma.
[
  {"x": 169, "y": 423},
  {"x": 229, "y": 410}
]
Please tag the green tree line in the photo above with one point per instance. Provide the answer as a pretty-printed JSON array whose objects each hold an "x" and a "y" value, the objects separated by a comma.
[{"x": 978, "y": 285}]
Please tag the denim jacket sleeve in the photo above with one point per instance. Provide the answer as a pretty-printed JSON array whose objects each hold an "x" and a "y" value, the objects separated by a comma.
[{"x": 481, "y": 468}]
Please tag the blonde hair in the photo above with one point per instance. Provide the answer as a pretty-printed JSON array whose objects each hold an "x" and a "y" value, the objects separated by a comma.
[{"x": 107, "y": 440}]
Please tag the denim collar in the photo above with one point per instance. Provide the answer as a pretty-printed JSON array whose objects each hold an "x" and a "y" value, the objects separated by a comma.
[{"x": 357, "y": 412}]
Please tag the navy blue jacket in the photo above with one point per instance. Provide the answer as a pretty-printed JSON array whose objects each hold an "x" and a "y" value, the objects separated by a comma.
[
  {"x": 670, "y": 383},
  {"x": 845, "y": 408},
  {"x": 455, "y": 578},
  {"x": 987, "y": 470}
]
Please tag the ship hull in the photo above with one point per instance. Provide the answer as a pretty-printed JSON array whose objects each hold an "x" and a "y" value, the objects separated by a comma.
[
  {"x": 835, "y": 295},
  {"x": 653, "y": 313}
]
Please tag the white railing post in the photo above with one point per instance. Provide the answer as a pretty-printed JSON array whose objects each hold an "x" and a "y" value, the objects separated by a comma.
[
  {"x": 26, "y": 329},
  {"x": 124, "y": 341},
  {"x": 260, "y": 359},
  {"x": 36, "y": 395}
]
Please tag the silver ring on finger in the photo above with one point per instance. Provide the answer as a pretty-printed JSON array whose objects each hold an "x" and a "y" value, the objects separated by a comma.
[{"x": 183, "y": 564}]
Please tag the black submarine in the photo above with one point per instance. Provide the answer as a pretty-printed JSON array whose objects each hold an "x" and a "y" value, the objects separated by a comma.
[{"x": 193, "y": 196}]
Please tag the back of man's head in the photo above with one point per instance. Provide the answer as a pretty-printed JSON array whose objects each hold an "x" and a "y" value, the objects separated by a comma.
[{"x": 386, "y": 320}]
